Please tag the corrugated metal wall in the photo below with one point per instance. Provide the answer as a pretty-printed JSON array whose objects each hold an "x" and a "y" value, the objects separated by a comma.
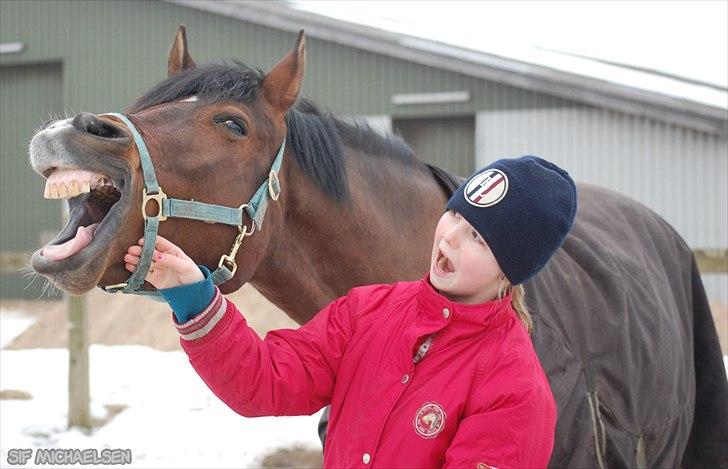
[
  {"x": 28, "y": 96},
  {"x": 636, "y": 156}
]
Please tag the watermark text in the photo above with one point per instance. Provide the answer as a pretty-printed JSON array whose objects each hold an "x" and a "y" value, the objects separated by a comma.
[{"x": 69, "y": 456}]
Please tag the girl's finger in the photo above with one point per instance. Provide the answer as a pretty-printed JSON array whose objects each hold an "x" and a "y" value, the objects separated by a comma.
[
  {"x": 165, "y": 245},
  {"x": 135, "y": 250},
  {"x": 130, "y": 259}
]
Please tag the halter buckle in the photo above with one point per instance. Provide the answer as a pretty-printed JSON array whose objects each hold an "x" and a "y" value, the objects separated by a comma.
[{"x": 156, "y": 197}]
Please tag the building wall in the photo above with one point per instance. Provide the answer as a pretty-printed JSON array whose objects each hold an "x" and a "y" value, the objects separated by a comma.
[
  {"x": 114, "y": 51},
  {"x": 29, "y": 95},
  {"x": 111, "y": 52},
  {"x": 677, "y": 172}
]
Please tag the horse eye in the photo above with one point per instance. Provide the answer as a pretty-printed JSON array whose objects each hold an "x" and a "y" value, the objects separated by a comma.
[{"x": 235, "y": 126}]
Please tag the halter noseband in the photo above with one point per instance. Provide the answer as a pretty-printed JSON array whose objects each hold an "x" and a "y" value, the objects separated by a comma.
[{"x": 178, "y": 208}]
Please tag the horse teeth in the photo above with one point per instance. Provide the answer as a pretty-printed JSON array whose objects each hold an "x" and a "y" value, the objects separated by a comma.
[
  {"x": 60, "y": 187},
  {"x": 73, "y": 189}
]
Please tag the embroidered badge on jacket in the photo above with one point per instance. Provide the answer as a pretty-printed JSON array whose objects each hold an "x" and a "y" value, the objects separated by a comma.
[
  {"x": 487, "y": 188},
  {"x": 430, "y": 420}
]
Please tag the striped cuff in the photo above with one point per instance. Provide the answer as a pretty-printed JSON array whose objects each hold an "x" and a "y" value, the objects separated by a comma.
[{"x": 199, "y": 326}]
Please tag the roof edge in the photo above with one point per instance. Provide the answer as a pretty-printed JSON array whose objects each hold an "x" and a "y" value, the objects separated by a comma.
[{"x": 538, "y": 78}]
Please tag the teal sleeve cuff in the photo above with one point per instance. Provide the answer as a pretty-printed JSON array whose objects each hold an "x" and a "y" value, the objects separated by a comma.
[{"x": 187, "y": 301}]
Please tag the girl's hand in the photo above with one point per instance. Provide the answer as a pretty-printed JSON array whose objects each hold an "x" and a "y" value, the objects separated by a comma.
[{"x": 170, "y": 266}]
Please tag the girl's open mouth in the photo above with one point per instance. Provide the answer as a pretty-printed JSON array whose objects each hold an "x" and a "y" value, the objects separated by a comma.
[{"x": 443, "y": 264}]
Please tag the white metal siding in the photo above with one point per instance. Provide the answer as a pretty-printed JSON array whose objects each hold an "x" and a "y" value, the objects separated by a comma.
[{"x": 679, "y": 173}]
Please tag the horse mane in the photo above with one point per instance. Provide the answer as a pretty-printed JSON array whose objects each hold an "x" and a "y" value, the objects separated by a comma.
[
  {"x": 211, "y": 82},
  {"x": 317, "y": 138}
]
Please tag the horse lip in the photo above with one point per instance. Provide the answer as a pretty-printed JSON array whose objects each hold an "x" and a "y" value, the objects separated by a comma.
[{"x": 95, "y": 253}]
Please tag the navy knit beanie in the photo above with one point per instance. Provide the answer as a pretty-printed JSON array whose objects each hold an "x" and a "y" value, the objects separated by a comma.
[{"x": 523, "y": 208}]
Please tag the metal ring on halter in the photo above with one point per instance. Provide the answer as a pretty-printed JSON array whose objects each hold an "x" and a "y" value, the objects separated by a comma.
[
  {"x": 274, "y": 185},
  {"x": 252, "y": 222}
]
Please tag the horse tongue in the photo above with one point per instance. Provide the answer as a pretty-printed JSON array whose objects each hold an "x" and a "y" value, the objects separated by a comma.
[{"x": 83, "y": 238}]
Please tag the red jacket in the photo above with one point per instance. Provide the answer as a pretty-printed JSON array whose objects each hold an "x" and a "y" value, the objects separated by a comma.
[{"x": 478, "y": 398}]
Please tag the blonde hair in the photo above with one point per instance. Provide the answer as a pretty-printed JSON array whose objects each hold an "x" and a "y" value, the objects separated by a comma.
[{"x": 518, "y": 302}]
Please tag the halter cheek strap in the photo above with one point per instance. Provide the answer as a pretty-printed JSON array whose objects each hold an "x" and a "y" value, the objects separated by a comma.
[{"x": 193, "y": 210}]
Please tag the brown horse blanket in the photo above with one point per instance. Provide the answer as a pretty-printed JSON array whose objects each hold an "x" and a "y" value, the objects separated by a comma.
[{"x": 625, "y": 335}]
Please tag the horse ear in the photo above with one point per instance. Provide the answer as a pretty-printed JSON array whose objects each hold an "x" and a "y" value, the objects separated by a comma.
[
  {"x": 179, "y": 55},
  {"x": 282, "y": 84}
]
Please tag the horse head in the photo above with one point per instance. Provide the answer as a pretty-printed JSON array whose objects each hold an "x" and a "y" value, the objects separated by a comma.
[{"x": 212, "y": 133}]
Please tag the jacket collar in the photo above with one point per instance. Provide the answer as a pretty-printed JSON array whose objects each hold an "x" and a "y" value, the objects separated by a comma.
[{"x": 469, "y": 317}]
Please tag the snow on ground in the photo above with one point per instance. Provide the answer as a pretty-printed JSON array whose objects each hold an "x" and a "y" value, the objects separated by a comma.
[
  {"x": 171, "y": 418},
  {"x": 13, "y": 324}
]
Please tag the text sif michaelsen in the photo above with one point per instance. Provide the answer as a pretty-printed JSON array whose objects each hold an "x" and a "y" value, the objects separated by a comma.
[{"x": 69, "y": 456}]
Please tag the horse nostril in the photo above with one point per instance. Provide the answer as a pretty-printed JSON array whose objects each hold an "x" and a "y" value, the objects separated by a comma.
[{"x": 89, "y": 123}]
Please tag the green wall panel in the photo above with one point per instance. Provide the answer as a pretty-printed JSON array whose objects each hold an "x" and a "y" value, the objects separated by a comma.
[
  {"x": 447, "y": 142},
  {"x": 29, "y": 95}
]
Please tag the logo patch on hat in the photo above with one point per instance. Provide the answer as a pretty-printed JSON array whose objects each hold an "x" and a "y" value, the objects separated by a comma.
[
  {"x": 487, "y": 188},
  {"x": 430, "y": 420}
]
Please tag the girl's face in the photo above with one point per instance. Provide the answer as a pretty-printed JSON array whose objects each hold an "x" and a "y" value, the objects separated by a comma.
[{"x": 462, "y": 267}]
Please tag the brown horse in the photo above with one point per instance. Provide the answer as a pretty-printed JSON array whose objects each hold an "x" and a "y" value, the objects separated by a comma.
[{"x": 622, "y": 325}]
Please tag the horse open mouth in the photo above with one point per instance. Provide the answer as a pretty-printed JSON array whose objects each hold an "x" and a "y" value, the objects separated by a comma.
[{"x": 93, "y": 205}]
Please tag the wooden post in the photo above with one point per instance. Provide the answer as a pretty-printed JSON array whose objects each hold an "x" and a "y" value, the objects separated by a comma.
[{"x": 79, "y": 400}]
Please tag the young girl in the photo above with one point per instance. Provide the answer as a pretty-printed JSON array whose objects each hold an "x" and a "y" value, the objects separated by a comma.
[{"x": 435, "y": 373}]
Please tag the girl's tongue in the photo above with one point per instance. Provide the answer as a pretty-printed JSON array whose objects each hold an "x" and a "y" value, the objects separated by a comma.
[{"x": 83, "y": 238}]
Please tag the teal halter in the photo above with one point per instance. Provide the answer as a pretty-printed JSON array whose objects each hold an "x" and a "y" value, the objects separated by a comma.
[{"x": 178, "y": 208}]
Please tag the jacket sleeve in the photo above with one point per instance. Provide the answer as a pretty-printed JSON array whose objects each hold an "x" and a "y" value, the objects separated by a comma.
[
  {"x": 509, "y": 422},
  {"x": 290, "y": 372}
]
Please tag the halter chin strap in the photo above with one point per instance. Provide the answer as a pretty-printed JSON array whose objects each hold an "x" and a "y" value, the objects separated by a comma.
[{"x": 178, "y": 208}]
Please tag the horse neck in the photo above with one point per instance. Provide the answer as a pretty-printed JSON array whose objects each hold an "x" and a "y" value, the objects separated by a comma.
[{"x": 381, "y": 234}]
